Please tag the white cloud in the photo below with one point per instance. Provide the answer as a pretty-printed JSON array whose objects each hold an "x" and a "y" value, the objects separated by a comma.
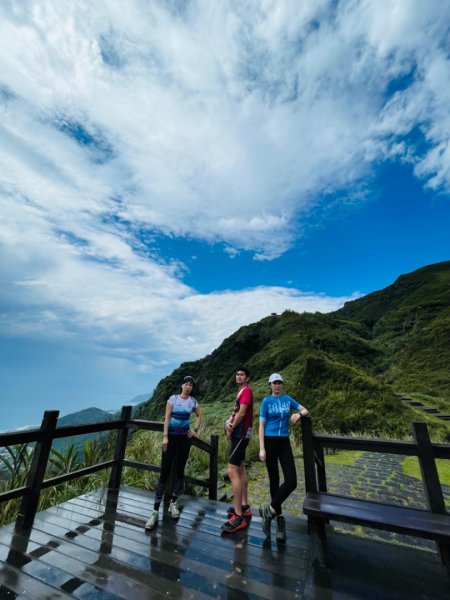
[{"x": 224, "y": 121}]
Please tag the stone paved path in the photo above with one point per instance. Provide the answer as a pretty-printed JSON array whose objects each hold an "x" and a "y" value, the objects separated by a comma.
[{"x": 373, "y": 476}]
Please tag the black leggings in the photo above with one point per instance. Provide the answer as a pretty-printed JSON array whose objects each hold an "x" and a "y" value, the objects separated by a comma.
[
  {"x": 279, "y": 449},
  {"x": 177, "y": 450}
]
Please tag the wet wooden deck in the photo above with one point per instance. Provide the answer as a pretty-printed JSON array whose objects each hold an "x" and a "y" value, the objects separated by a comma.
[{"x": 94, "y": 547}]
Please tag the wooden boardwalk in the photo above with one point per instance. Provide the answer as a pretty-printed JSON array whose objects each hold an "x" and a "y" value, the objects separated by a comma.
[{"x": 94, "y": 547}]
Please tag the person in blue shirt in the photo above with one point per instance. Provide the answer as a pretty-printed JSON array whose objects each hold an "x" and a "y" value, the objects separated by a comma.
[
  {"x": 176, "y": 444},
  {"x": 275, "y": 448}
]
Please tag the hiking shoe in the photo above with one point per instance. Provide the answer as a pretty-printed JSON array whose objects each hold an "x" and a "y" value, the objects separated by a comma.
[
  {"x": 266, "y": 518},
  {"x": 152, "y": 521},
  {"x": 246, "y": 511},
  {"x": 174, "y": 511},
  {"x": 281, "y": 529},
  {"x": 234, "y": 523}
]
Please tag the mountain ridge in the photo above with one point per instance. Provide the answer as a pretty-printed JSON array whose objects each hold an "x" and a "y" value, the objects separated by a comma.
[{"x": 350, "y": 367}]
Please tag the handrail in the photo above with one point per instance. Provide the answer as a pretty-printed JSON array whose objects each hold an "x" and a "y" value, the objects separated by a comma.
[
  {"x": 314, "y": 444},
  {"x": 44, "y": 436},
  {"x": 377, "y": 445}
]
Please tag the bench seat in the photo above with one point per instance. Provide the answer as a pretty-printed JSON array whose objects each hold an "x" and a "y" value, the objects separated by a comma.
[{"x": 400, "y": 519}]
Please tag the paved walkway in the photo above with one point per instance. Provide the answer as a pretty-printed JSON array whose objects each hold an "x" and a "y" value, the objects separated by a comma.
[{"x": 374, "y": 476}]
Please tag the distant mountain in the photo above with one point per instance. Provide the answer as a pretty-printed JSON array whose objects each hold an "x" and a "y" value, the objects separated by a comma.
[
  {"x": 87, "y": 415},
  {"x": 139, "y": 399},
  {"x": 92, "y": 415},
  {"x": 351, "y": 368},
  {"x": 82, "y": 417}
]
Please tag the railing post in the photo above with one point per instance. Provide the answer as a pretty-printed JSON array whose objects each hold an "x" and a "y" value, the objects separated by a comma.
[
  {"x": 36, "y": 474},
  {"x": 308, "y": 455},
  {"x": 213, "y": 467},
  {"x": 321, "y": 471},
  {"x": 119, "y": 454},
  {"x": 430, "y": 478}
]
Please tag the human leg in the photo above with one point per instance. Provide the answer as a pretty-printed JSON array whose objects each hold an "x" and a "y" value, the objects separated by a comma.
[
  {"x": 244, "y": 483},
  {"x": 167, "y": 457},
  {"x": 267, "y": 511},
  {"x": 237, "y": 474},
  {"x": 183, "y": 446},
  {"x": 272, "y": 449},
  {"x": 287, "y": 462},
  {"x": 236, "y": 486}
]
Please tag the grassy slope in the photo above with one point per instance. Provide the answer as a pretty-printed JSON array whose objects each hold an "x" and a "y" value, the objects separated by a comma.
[{"x": 348, "y": 367}]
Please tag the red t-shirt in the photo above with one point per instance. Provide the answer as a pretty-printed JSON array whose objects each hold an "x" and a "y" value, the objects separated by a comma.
[{"x": 244, "y": 429}]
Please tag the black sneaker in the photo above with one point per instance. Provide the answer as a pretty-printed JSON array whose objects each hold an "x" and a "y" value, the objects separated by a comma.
[
  {"x": 246, "y": 512},
  {"x": 266, "y": 516},
  {"x": 281, "y": 529},
  {"x": 234, "y": 523}
]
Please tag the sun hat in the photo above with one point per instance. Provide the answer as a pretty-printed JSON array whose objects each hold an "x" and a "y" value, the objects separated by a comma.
[{"x": 275, "y": 377}]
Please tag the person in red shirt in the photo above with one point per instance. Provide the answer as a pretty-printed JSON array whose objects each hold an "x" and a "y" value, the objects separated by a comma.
[{"x": 239, "y": 429}]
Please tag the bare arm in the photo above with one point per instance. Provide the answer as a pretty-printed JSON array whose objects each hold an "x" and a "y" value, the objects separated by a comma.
[
  {"x": 237, "y": 419},
  {"x": 303, "y": 412},
  {"x": 167, "y": 416},
  {"x": 198, "y": 420},
  {"x": 262, "y": 450}
]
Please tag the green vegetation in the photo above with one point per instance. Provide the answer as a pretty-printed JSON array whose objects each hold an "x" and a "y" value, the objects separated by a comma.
[
  {"x": 352, "y": 369},
  {"x": 343, "y": 457},
  {"x": 411, "y": 467},
  {"x": 17, "y": 463}
]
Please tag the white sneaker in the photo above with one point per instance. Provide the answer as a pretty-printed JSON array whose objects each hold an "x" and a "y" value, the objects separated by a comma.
[
  {"x": 153, "y": 520},
  {"x": 174, "y": 511}
]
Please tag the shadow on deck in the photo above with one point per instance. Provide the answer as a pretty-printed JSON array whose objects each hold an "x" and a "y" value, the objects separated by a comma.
[{"x": 95, "y": 547}]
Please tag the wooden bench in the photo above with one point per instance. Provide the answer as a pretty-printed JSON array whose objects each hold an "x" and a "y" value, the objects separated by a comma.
[{"x": 321, "y": 506}]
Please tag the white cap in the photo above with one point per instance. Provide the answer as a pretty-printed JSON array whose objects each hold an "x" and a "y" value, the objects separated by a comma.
[{"x": 275, "y": 377}]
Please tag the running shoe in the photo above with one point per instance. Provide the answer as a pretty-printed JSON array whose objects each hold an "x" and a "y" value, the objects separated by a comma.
[
  {"x": 174, "y": 510},
  {"x": 281, "y": 529},
  {"x": 266, "y": 518},
  {"x": 152, "y": 520},
  {"x": 234, "y": 523},
  {"x": 246, "y": 511}
]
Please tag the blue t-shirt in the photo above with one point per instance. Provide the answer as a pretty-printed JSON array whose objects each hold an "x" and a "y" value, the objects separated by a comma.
[
  {"x": 275, "y": 412},
  {"x": 182, "y": 409}
]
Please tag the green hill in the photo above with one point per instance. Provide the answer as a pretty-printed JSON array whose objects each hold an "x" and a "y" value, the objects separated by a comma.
[
  {"x": 82, "y": 417},
  {"x": 350, "y": 367},
  {"x": 410, "y": 325}
]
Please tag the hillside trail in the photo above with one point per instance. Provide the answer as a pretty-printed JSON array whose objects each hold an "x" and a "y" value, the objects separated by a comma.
[{"x": 373, "y": 476}]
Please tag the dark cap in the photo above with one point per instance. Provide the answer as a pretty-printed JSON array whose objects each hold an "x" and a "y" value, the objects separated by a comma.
[{"x": 189, "y": 378}]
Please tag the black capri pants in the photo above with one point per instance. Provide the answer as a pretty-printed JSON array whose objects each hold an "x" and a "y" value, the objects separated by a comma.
[
  {"x": 177, "y": 451},
  {"x": 278, "y": 450}
]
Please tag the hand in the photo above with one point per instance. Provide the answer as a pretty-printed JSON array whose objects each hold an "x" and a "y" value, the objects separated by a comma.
[
  {"x": 295, "y": 417},
  {"x": 165, "y": 442},
  {"x": 262, "y": 455},
  {"x": 191, "y": 433}
]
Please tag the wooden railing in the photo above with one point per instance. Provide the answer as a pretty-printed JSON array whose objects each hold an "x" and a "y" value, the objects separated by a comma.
[
  {"x": 421, "y": 447},
  {"x": 44, "y": 436},
  {"x": 314, "y": 445}
]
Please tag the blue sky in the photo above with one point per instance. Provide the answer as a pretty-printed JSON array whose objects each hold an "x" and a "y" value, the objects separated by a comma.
[{"x": 173, "y": 171}]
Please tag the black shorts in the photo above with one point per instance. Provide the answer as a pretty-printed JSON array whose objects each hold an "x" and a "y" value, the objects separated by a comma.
[{"x": 237, "y": 451}]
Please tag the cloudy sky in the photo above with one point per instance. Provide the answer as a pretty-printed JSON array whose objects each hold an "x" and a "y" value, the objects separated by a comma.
[{"x": 172, "y": 170}]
